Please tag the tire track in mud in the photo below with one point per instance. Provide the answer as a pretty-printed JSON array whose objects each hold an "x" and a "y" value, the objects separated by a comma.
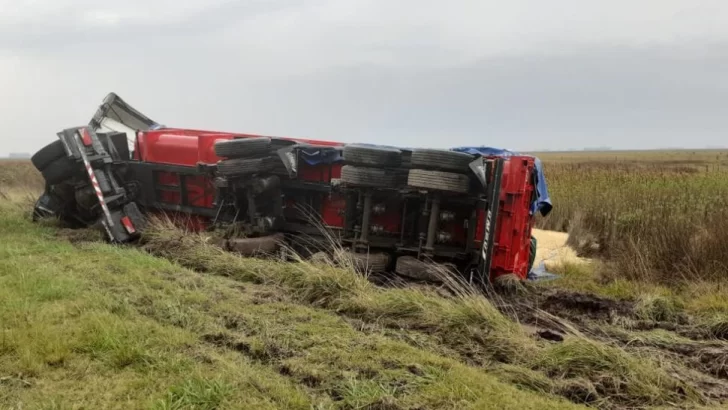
[{"x": 552, "y": 314}]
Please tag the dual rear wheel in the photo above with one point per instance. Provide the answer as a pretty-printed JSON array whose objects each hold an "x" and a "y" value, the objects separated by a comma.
[
  {"x": 427, "y": 169},
  {"x": 248, "y": 156},
  {"x": 422, "y": 169},
  {"x": 53, "y": 163}
]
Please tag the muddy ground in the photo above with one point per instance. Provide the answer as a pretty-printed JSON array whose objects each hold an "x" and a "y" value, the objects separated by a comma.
[{"x": 553, "y": 314}]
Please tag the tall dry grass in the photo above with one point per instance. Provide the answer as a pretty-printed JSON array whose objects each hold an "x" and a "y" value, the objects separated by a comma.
[
  {"x": 19, "y": 174},
  {"x": 658, "y": 220}
]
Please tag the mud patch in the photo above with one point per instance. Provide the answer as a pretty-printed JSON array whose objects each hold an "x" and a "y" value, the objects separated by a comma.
[
  {"x": 228, "y": 342},
  {"x": 577, "y": 306}
]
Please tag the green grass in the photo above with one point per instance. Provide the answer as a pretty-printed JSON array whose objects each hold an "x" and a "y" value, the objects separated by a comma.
[
  {"x": 89, "y": 325},
  {"x": 85, "y": 324},
  {"x": 467, "y": 323}
]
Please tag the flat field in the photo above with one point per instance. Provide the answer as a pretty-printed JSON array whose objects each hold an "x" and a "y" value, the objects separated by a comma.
[
  {"x": 655, "y": 215},
  {"x": 176, "y": 323}
]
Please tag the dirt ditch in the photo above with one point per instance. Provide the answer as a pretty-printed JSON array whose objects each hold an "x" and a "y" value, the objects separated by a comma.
[{"x": 680, "y": 348}]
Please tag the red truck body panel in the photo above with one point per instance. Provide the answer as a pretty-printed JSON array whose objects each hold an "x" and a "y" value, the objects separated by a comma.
[
  {"x": 513, "y": 236},
  {"x": 187, "y": 148}
]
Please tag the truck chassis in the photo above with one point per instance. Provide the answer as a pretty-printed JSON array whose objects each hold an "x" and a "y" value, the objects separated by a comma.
[{"x": 408, "y": 211}]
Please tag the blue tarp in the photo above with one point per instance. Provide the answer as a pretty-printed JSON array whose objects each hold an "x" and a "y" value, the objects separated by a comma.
[
  {"x": 543, "y": 201},
  {"x": 539, "y": 273},
  {"x": 318, "y": 155}
]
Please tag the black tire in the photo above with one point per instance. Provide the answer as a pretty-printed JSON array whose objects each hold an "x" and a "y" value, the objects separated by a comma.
[
  {"x": 438, "y": 180},
  {"x": 441, "y": 160},
  {"x": 371, "y": 177},
  {"x": 243, "y": 147},
  {"x": 278, "y": 167},
  {"x": 413, "y": 268},
  {"x": 59, "y": 170},
  {"x": 104, "y": 182},
  {"x": 372, "y": 156},
  {"x": 368, "y": 262},
  {"x": 245, "y": 166},
  {"x": 278, "y": 143},
  {"x": 48, "y": 154}
]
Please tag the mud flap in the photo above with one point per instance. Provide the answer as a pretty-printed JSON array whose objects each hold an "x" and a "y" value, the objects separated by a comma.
[
  {"x": 491, "y": 177},
  {"x": 128, "y": 224},
  {"x": 46, "y": 206}
]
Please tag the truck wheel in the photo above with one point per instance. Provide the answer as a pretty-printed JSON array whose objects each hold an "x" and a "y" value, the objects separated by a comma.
[
  {"x": 59, "y": 170},
  {"x": 242, "y": 147},
  {"x": 440, "y": 159},
  {"x": 438, "y": 180},
  {"x": 48, "y": 154},
  {"x": 366, "y": 263},
  {"x": 372, "y": 156},
  {"x": 245, "y": 166},
  {"x": 414, "y": 268},
  {"x": 264, "y": 245},
  {"x": 371, "y": 177}
]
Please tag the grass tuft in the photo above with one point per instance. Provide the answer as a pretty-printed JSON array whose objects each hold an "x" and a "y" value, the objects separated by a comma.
[
  {"x": 658, "y": 308},
  {"x": 196, "y": 393},
  {"x": 716, "y": 325},
  {"x": 468, "y": 321},
  {"x": 615, "y": 373},
  {"x": 366, "y": 394}
]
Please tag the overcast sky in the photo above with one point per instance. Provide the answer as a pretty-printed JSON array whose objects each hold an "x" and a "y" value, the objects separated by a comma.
[{"x": 524, "y": 75}]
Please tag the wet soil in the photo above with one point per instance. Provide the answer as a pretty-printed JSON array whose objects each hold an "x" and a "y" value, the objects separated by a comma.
[{"x": 687, "y": 352}]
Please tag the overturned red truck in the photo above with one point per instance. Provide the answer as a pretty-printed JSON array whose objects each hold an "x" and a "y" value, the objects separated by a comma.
[{"x": 393, "y": 209}]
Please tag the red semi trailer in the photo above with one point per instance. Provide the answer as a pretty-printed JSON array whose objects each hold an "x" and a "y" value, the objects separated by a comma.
[{"x": 393, "y": 209}]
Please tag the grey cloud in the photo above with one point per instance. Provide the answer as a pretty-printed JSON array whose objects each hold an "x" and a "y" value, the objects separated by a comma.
[
  {"x": 322, "y": 70},
  {"x": 68, "y": 27}
]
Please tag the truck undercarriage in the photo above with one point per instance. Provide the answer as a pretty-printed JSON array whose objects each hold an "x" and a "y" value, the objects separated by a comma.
[{"x": 408, "y": 211}]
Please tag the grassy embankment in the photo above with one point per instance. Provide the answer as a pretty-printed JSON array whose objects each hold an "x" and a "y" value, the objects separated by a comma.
[
  {"x": 95, "y": 325},
  {"x": 88, "y": 325}
]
